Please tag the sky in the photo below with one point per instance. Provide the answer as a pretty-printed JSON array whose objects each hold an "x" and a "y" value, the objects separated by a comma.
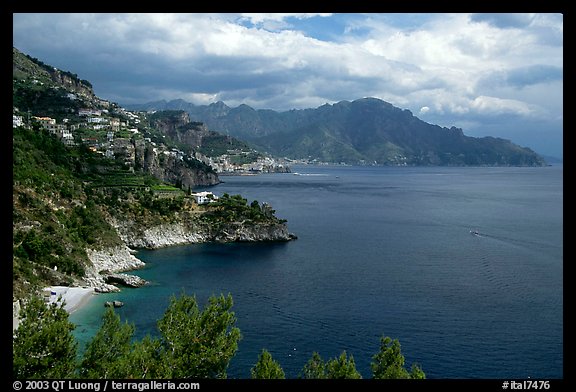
[{"x": 492, "y": 74}]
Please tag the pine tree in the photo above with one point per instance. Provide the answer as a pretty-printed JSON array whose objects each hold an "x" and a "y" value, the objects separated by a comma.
[
  {"x": 388, "y": 363},
  {"x": 198, "y": 344},
  {"x": 315, "y": 368},
  {"x": 267, "y": 368},
  {"x": 342, "y": 368},
  {"x": 43, "y": 345},
  {"x": 106, "y": 353}
]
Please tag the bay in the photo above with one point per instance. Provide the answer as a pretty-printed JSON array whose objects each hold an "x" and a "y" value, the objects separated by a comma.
[{"x": 382, "y": 251}]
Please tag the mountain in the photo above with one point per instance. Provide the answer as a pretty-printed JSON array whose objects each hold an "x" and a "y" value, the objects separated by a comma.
[
  {"x": 48, "y": 90},
  {"x": 177, "y": 126},
  {"x": 364, "y": 131}
]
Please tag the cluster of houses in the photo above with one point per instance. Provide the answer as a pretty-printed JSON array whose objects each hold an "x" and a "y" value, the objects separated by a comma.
[
  {"x": 111, "y": 146},
  {"x": 224, "y": 164},
  {"x": 60, "y": 130},
  {"x": 95, "y": 119}
]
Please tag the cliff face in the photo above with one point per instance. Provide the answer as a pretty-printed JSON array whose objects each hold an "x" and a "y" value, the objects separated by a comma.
[
  {"x": 177, "y": 126},
  {"x": 171, "y": 168},
  {"x": 73, "y": 84},
  {"x": 107, "y": 261},
  {"x": 192, "y": 231}
]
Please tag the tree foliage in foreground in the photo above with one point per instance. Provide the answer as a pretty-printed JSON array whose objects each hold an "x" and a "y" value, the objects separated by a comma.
[
  {"x": 388, "y": 363},
  {"x": 105, "y": 355},
  {"x": 342, "y": 367},
  {"x": 199, "y": 344},
  {"x": 43, "y": 345},
  {"x": 192, "y": 343},
  {"x": 267, "y": 367}
]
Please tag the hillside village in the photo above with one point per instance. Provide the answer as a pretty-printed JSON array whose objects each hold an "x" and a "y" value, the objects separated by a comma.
[
  {"x": 116, "y": 133},
  {"x": 65, "y": 105}
]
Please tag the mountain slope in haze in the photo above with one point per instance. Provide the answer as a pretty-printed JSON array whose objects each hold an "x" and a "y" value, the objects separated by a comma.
[{"x": 364, "y": 131}]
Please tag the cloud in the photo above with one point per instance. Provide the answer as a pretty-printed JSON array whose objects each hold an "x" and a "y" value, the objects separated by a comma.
[
  {"x": 455, "y": 65},
  {"x": 259, "y": 18},
  {"x": 504, "y": 21},
  {"x": 496, "y": 106},
  {"x": 533, "y": 74}
]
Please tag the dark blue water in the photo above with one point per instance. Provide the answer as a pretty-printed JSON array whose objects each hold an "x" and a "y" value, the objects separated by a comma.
[{"x": 383, "y": 251}]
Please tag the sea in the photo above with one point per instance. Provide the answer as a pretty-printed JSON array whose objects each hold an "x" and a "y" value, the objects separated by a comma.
[{"x": 462, "y": 265}]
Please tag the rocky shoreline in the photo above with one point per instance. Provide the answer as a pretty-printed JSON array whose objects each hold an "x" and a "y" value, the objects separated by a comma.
[
  {"x": 109, "y": 261},
  {"x": 185, "y": 233},
  {"x": 105, "y": 272},
  {"x": 107, "y": 265}
]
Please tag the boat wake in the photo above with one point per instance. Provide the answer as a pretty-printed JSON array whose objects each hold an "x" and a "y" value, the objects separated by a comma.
[{"x": 310, "y": 174}]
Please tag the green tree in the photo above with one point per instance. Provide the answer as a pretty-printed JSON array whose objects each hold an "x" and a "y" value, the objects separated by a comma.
[
  {"x": 388, "y": 363},
  {"x": 315, "y": 368},
  {"x": 198, "y": 344},
  {"x": 146, "y": 359},
  {"x": 267, "y": 368},
  {"x": 342, "y": 368},
  {"x": 43, "y": 345},
  {"x": 106, "y": 353},
  {"x": 416, "y": 372}
]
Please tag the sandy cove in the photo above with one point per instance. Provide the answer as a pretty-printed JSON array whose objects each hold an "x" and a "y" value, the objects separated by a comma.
[{"x": 72, "y": 297}]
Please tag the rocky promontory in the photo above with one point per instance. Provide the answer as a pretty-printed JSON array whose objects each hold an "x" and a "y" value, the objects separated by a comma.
[
  {"x": 195, "y": 232},
  {"x": 108, "y": 261}
]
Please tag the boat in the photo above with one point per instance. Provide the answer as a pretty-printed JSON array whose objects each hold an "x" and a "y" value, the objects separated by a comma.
[{"x": 474, "y": 232}]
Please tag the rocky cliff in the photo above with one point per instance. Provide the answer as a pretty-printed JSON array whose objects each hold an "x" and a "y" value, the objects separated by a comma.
[
  {"x": 177, "y": 125},
  {"x": 173, "y": 169},
  {"x": 109, "y": 261},
  {"x": 192, "y": 231}
]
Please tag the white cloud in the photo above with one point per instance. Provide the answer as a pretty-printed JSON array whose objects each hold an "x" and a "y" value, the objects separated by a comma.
[
  {"x": 257, "y": 18},
  {"x": 453, "y": 64},
  {"x": 493, "y": 106}
]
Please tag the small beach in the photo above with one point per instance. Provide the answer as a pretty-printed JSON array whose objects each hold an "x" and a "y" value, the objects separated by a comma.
[{"x": 73, "y": 298}]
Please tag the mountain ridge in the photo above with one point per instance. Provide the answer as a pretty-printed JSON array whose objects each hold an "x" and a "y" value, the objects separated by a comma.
[{"x": 364, "y": 131}]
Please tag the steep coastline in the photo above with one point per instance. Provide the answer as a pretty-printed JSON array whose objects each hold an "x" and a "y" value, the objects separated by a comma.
[
  {"x": 112, "y": 260},
  {"x": 193, "y": 232},
  {"x": 183, "y": 232}
]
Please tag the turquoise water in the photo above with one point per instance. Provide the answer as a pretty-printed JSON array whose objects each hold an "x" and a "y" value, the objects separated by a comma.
[{"x": 382, "y": 251}]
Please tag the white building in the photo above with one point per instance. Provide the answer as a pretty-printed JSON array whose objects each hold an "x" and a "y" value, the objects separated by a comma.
[
  {"x": 204, "y": 197},
  {"x": 97, "y": 120},
  {"x": 89, "y": 112},
  {"x": 17, "y": 121}
]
